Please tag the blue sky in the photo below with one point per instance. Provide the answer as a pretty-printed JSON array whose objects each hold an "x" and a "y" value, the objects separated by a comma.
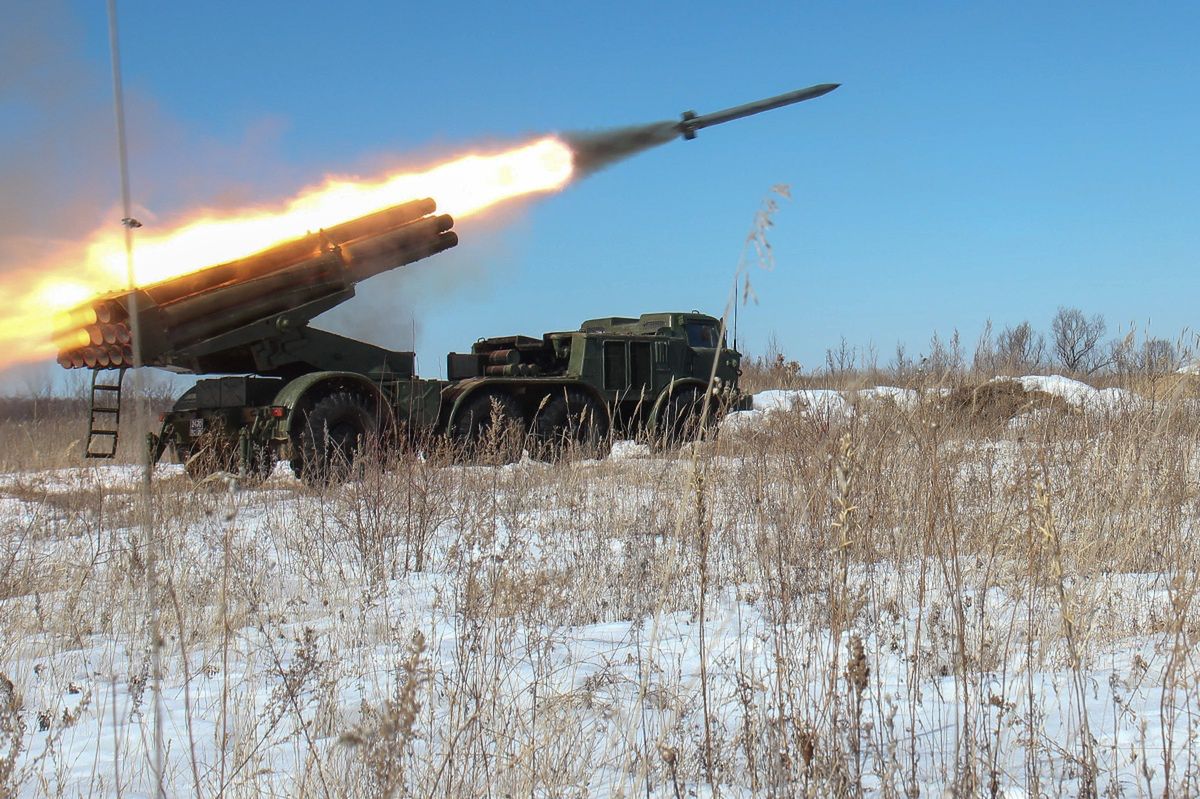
[{"x": 981, "y": 160}]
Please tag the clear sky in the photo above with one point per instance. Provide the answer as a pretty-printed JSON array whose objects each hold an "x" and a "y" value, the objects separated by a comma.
[{"x": 981, "y": 160}]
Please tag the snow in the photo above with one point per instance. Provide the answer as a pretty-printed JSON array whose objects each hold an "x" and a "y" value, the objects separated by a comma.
[
  {"x": 815, "y": 403},
  {"x": 315, "y": 635},
  {"x": 626, "y": 450},
  {"x": 589, "y": 668},
  {"x": 774, "y": 400},
  {"x": 905, "y": 398},
  {"x": 1079, "y": 394}
]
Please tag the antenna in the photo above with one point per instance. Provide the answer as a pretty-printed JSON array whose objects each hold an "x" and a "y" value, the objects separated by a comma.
[
  {"x": 735, "y": 312},
  {"x": 130, "y": 224}
]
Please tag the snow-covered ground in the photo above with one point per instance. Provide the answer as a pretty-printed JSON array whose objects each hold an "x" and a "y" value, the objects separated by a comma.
[{"x": 540, "y": 630}]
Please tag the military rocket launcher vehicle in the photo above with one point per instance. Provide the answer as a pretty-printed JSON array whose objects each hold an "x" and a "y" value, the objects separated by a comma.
[
  {"x": 318, "y": 399},
  {"x": 662, "y": 377}
]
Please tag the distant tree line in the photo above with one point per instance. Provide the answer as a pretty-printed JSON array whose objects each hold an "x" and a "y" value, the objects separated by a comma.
[{"x": 1077, "y": 345}]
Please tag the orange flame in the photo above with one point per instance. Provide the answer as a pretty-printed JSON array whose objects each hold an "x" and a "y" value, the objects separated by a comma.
[{"x": 462, "y": 187}]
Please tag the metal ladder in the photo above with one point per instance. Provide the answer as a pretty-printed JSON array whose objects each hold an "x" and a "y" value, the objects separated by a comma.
[{"x": 104, "y": 416}]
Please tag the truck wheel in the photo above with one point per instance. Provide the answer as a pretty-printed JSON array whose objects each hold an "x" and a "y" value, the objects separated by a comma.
[
  {"x": 571, "y": 420},
  {"x": 489, "y": 426},
  {"x": 680, "y": 419},
  {"x": 333, "y": 437}
]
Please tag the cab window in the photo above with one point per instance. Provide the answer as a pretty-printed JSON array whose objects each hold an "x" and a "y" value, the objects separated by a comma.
[{"x": 701, "y": 334}]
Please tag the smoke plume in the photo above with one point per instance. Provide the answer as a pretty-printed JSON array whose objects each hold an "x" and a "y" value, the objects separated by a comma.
[{"x": 595, "y": 150}]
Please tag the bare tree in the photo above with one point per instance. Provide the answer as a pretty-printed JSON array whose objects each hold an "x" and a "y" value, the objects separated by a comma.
[
  {"x": 841, "y": 362},
  {"x": 1018, "y": 349},
  {"x": 944, "y": 358},
  {"x": 1077, "y": 340},
  {"x": 1122, "y": 353},
  {"x": 902, "y": 365},
  {"x": 984, "y": 361},
  {"x": 1158, "y": 357}
]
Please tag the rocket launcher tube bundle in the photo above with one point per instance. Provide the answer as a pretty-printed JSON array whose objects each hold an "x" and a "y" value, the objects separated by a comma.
[{"x": 191, "y": 309}]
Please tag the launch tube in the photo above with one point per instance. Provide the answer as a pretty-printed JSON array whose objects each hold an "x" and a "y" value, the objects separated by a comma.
[
  {"x": 108, "y": 312},
  {"x": 260, "y": 307},
  {"x": 232, "y": 306},
  {"x": 383, "y": 262},
  {"x": 225, "y": 302},
  {"x": 289, "y": 253},
  {"x": 370, "y": 256},
  {"x": 197, "y": 309}
]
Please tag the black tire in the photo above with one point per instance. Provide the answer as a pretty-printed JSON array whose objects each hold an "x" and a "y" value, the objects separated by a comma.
[
  {"x": 333, "y": 437},
  {"x": 570, "y": 422},
  {"x": 680, "y": 418},
  {"x": 475, "y": 430}
]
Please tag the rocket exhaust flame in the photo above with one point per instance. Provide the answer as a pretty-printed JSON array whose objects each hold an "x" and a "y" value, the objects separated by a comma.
[{"x": 47, "y": 297}]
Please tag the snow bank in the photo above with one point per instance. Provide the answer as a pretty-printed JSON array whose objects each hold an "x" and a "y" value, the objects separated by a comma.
[
  {"x": 827, "y": 402},
  {"x": 1079, "y": 394},
  {"x": 820, "y": 402},
  {"x": 774, "y": 400},
  {"x": 814, "y": 401}
]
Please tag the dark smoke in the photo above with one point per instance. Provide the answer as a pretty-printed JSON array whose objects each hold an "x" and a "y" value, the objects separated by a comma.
[{"x": 594, "y": 150}]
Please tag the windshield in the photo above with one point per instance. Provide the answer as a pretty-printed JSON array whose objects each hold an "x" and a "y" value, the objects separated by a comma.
[{"x": 701, "y": 334}]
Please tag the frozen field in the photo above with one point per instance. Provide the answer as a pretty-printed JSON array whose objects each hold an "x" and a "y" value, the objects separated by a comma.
[{"x": 844, "y": 594}]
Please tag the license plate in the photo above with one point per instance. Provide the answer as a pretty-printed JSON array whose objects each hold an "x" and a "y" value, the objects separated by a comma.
[{"x": 196, "y": 428}]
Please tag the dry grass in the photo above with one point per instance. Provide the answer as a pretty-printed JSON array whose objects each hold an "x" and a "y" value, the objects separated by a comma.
[
  {"x": 992, "y": 404},
  {"x": 49, "y": 432},
  {"x": 887, "y": 598}
]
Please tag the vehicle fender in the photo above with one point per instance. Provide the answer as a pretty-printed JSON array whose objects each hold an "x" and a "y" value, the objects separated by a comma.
[
  {"x": 299, "y": 394},
  {"x": 665, "y": 396},
  {"x": 467, "y": 389}
]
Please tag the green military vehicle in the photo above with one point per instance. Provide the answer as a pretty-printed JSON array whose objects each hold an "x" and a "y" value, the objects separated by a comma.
[
  {"x": 318, "y": 399},
  {"x": 565, "y": 392}
]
